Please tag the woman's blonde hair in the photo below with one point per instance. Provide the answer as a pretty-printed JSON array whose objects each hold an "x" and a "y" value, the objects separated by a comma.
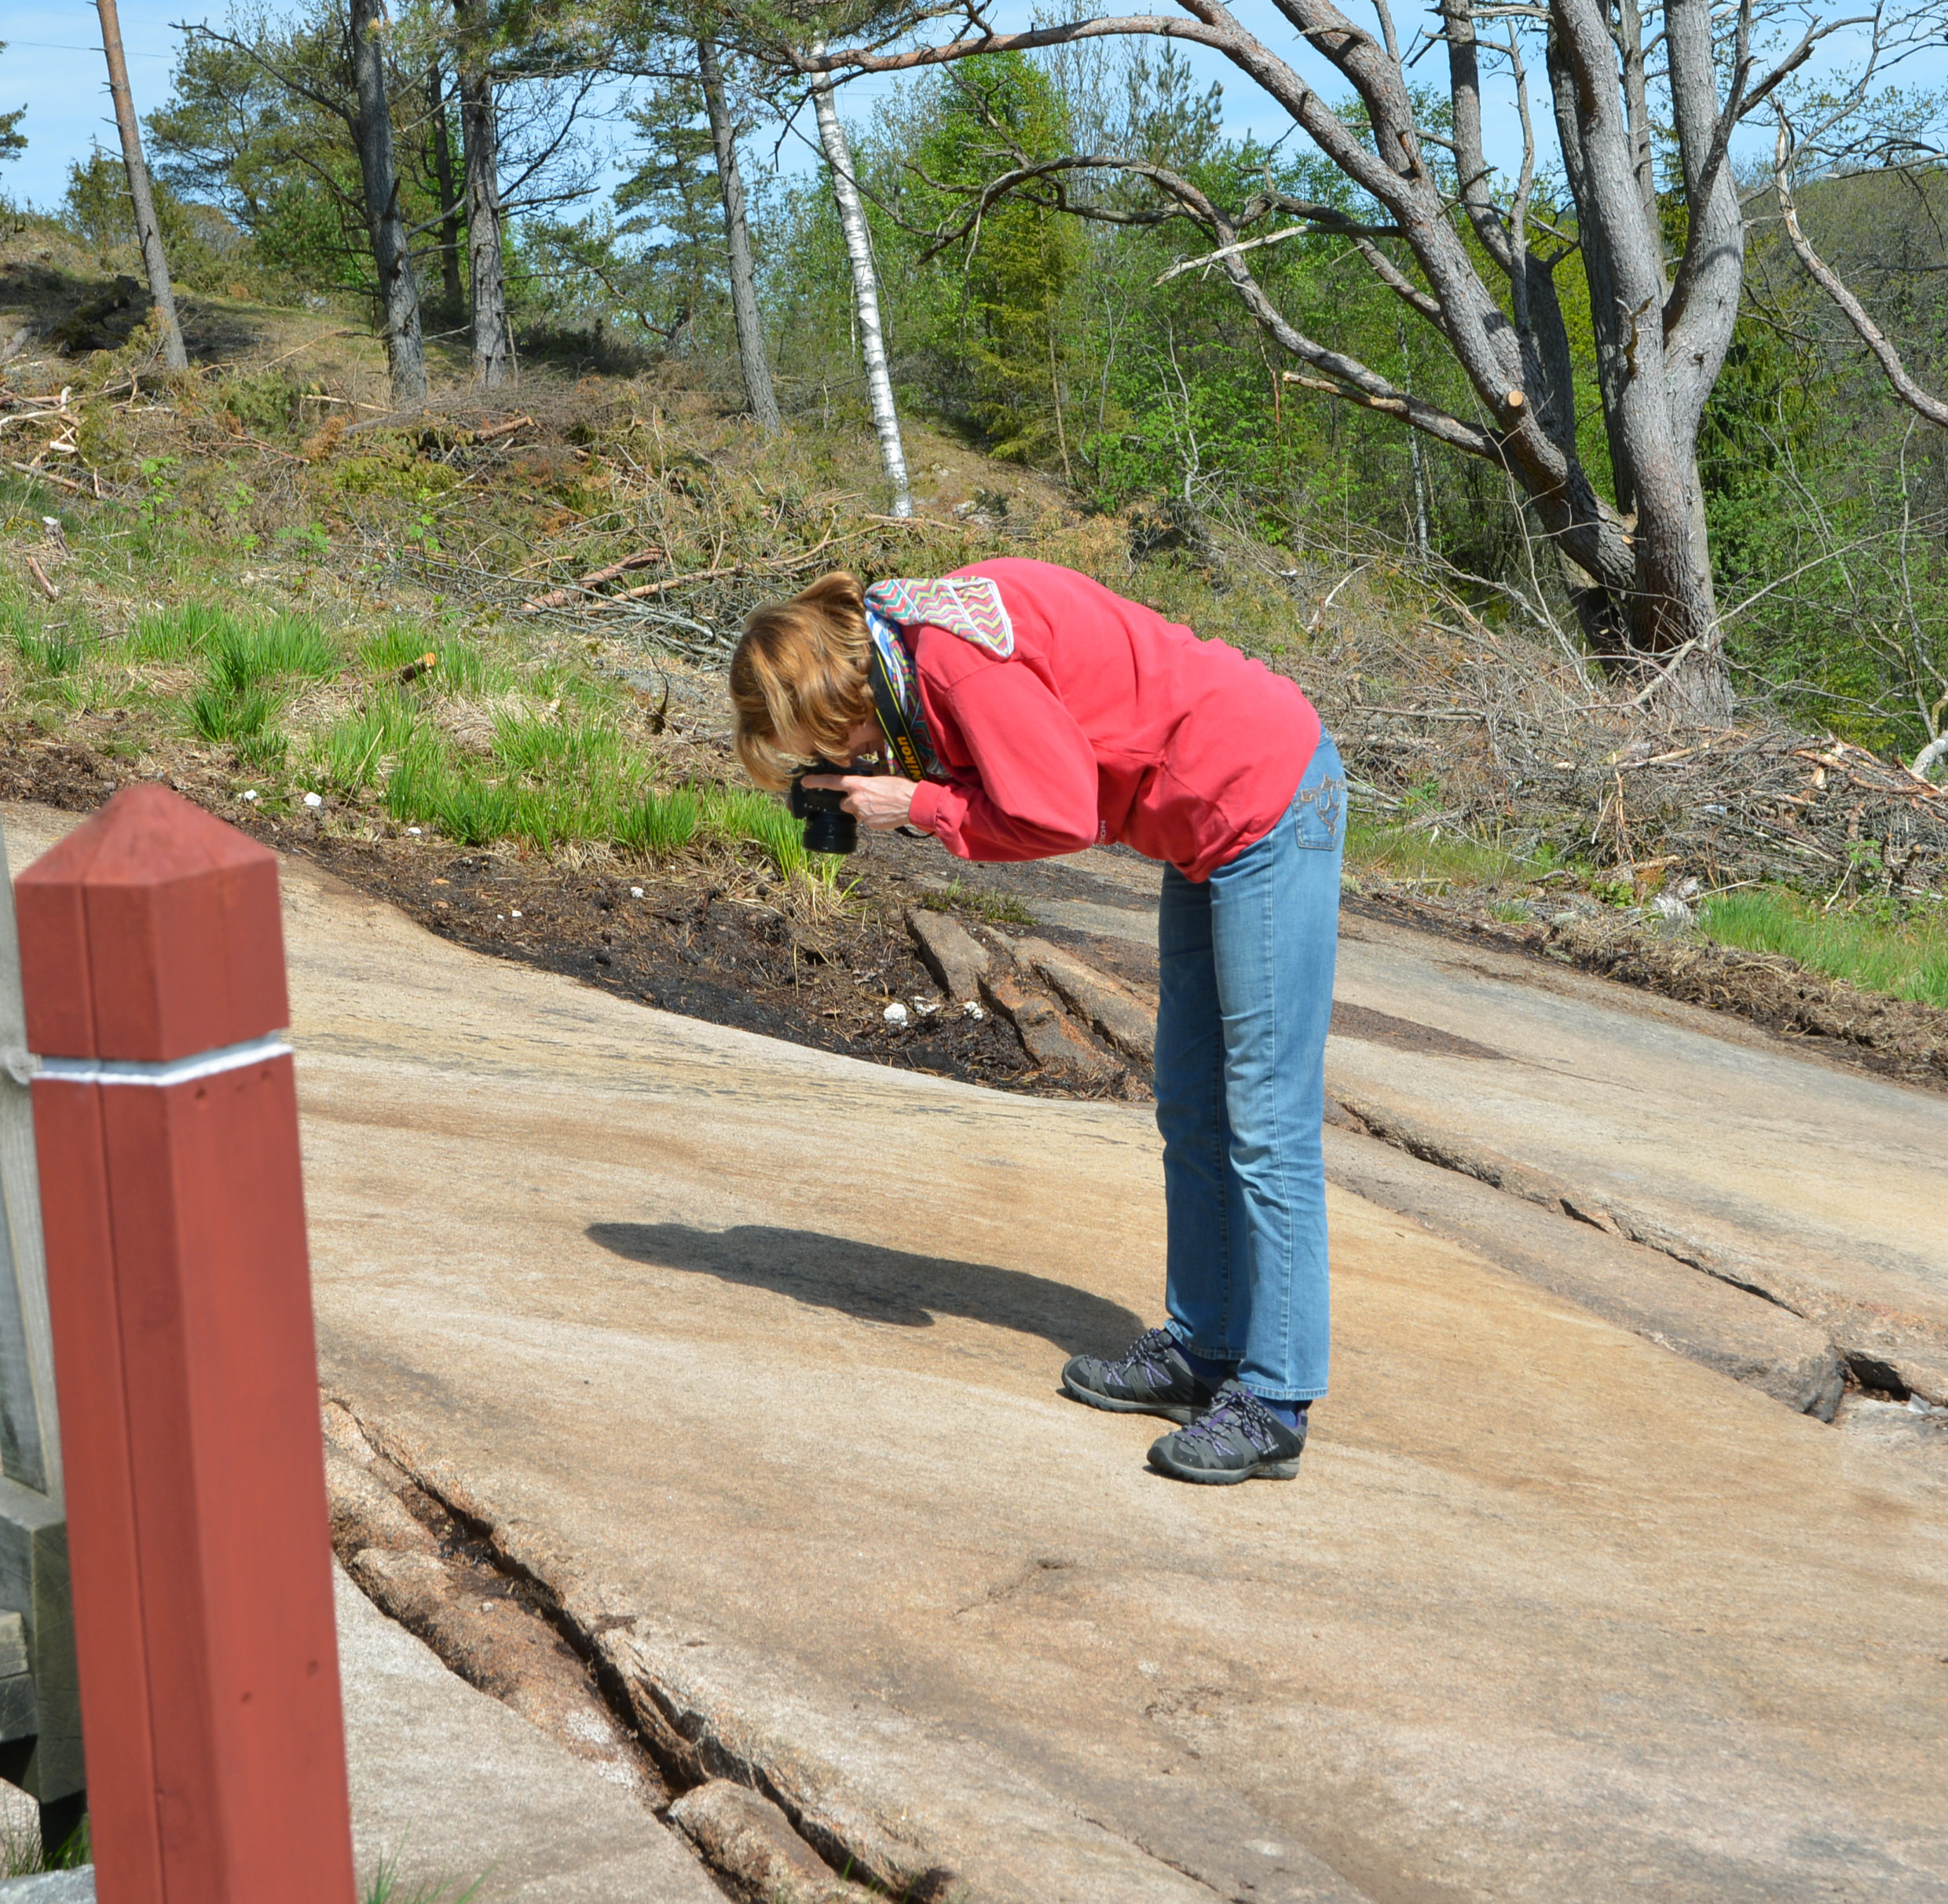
[{"x": 800, "y": 668}]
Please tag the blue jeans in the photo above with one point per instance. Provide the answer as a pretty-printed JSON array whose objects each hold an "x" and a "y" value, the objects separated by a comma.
[{"x": 1247, "y": 962}]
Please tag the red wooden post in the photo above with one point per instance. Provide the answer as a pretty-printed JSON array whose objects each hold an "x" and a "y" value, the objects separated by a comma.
[{"x": 166, "y": 1121}]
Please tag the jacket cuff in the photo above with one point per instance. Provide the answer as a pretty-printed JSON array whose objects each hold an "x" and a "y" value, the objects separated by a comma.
[{"x": 925, "y": 811}]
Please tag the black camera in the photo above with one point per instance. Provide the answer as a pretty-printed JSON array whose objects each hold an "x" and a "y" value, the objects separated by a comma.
[{"x": 829, "y": 828}]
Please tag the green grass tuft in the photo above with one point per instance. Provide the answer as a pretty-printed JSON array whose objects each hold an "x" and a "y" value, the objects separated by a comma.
[
  {"x": 386, "y": 1886},
  {"x": 350, "y": 754},
  {"x": 534, "y": 745},
  {"x": 661, "y": 825},
  {"x": 242, "y": 655},
  {"x": 1903, "y": 956},
  {"x": 221, "y": 716},
  {"x": 460, "y": 665},
  {"x": 471, "y": 809},
  {"x": 1412, "y": 855},
  {"x": 175, "y": 634},
  {"x": 48, "y": 653},
  {"x": 996, "y": 908}
]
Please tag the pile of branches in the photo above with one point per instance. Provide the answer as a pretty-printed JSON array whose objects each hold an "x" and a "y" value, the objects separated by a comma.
[{"x": 1453, "y": 724}]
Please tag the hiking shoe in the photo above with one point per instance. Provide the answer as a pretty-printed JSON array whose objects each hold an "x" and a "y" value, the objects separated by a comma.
[
  {"x": 1236, "y": 1438},
  {"x": 1150, "y": 1378}
]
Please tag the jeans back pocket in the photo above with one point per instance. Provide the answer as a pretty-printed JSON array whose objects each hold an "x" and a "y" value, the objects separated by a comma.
[{"x": 1318, "y": 812}]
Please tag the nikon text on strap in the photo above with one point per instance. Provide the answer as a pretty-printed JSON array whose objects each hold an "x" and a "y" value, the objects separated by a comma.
[{"x": 905, "y": 742}]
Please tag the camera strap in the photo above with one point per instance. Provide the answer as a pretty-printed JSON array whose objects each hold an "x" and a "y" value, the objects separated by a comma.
[{"x": 896, "y": 702}]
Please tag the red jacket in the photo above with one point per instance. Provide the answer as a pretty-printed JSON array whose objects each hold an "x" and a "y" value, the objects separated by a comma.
[{"x": 1108, "y": 723}]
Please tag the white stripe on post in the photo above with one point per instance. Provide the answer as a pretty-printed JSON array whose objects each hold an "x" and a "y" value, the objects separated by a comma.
[{"x": 171, "y": 1071}]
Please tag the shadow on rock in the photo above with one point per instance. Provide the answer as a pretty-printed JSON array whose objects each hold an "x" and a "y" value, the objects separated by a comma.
[{"x": 876, "y": 1284}]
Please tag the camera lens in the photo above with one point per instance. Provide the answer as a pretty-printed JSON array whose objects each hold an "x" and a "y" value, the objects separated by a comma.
[
  {"x": 831, "y": 832},
  {"x": 829, "y": 828}
]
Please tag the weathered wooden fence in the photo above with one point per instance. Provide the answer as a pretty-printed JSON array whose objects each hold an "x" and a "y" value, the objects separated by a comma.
[{"x": 40, "y": 1716}]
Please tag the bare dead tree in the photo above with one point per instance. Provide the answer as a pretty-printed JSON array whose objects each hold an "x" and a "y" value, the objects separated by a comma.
[
  {"x": 1473, "y": 257},
  {"x": 737, "y": 240},
  {"x": 371, "y": 120},
  {"x": 1829, "y": 280},
  {"x": 480, "y": 140},
  {"x": 148, "y": 233}
]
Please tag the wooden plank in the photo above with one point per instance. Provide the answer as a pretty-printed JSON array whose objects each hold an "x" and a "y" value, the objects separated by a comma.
[
  {"x": 13, "y": 1644},
  {"x": 34, "y": 1581},
  {"x": 30, "y": 1434}
]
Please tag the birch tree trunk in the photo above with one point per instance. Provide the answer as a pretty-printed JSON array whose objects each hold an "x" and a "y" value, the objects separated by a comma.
[
  {"x": 736, "y": 243},
  {"x": 480, "y": 138},
  {"x": 858, "y": 251},
  {"x": 161, "y": 293},
  {"x": 449, "y": 198},
  {"x": 372, "y": 132}
]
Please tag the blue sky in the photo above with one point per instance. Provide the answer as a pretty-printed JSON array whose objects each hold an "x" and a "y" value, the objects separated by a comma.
[{"x": 53, "y": 65}]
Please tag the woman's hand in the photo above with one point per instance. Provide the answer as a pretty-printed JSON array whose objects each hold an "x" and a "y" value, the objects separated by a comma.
[{"x": 881, "y": 801}]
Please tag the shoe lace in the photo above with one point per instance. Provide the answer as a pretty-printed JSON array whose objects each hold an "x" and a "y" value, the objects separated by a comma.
[
  {"x": 1146, "y": 1353},
  {"x": 1238, "y": 1408}
]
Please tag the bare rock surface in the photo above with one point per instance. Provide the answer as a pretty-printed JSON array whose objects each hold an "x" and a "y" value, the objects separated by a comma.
[
  {"x": 1685, "y": 1129},
  {"x": 451, "y": 1788},
  {"x": 1046, "y": 1035},
  {"x": 952, "y": 954},
  {"x": 1549, "y": 1613},
  {"x": 1641, "y": 1289},
  {"x": 1112, "y": 1009}
]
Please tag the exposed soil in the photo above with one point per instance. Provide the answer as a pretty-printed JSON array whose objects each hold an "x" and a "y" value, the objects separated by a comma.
[
  {"x": 709, "y": 939},
  {"x": 713, "y": 940}
]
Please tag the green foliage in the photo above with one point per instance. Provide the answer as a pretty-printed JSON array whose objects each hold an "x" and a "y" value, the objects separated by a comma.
[
  {"x": 999, "y": 334},
  {"x": 197, "y": 238},
  {"x": 672, "y": 209},
  {"x": 1881, "y": 947},
  {"x": 12, "y": 141}
]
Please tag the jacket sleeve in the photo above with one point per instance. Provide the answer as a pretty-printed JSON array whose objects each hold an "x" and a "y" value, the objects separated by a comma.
[{"x": 1036, "y": 793}]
